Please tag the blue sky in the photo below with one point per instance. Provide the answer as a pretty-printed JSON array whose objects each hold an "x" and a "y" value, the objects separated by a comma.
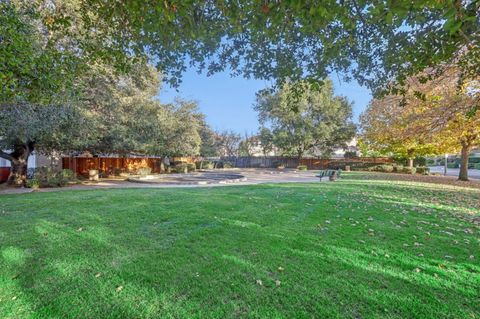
[{"x": 228, "y": 101}]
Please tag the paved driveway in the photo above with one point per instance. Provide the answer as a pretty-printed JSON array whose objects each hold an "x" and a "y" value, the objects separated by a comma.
[{"x": 472, "y": 173}]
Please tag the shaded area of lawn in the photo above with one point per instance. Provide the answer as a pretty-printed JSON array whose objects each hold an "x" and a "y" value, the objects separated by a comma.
[{"x": 356, "y": 248}]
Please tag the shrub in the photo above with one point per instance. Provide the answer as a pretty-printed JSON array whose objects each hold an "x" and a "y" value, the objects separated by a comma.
[
  {"x": 453, "y": 165},
  {"x": 180, "y": 168},
  {"x": 204, "y": 165},
  {"x": 191, "y": 167},
  {"x": 33, "y": 183},
  {"x": 117, "y": 171},
  {"x": 59, "y": 180},
  {"x": 401, "y": 160},
  {"x": 302, "y": 167},
  {"x": 67, "y": 174},
  {"x": 474, "y": 160},
  {"x": 227, "y": 165},
  {"x": 398, "y": 168},
  {"x": 47, "y": 177},
  {"x": 357, "y": 168},
  {"x": 430, "y": 162},
  {"x": 144, "y": 171},
  {"x": 423, "y": 170},
  {"x": 175, "y": 163},
  {"x": 384, "y": 168},
  {"x": 409, "y": 170},
  {"x": 420, "y": 161}
]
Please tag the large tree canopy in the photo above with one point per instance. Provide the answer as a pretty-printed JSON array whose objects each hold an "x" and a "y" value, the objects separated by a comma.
[
  {"x": 113, "y": 114},
  {"x": 377, "y": 41},
  {"x": 319, "y": 121},
  {"x": 387, "y": 127},
  {"x": 32, "y": 69},
  {"x": 434, "y": 117}
]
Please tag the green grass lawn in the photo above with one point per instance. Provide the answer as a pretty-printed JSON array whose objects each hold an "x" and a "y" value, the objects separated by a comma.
[{"x": 356, "y": 248}]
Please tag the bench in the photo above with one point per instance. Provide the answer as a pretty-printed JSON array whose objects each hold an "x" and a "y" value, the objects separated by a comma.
[{"x": 332, "y": 174}]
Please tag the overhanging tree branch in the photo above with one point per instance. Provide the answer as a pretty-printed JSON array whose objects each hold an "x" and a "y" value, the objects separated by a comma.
[{"x": 6, "y": 156}]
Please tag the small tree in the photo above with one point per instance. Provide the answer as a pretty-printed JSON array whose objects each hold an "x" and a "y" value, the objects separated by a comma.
[
  {"x": 266, "y": 141},
  {"x": 447, "y": 111},
  {"x": 433, "y": 117},
  {"x": 386, "y": 128},
  {"x": 248, "y": 145},
  {"x": 228, "y": 142},
  {"x": 208, "y": 146}
]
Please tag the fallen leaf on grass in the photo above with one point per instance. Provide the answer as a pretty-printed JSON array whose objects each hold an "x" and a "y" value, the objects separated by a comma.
[
  {"x": 282, "y": 269},
  {"x": 278, "y": 283},
  {"x": 98, "y": 275},
  {"x": 259, "y": 282},
  {"x": 119, "y": 288}
]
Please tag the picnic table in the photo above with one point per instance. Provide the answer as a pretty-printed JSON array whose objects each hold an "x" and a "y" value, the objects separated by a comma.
[{"x": 332, "y": 174}]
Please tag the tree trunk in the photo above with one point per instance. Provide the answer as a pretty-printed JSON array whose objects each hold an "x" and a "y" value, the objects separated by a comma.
[
  {"x": 19, "y": 161},
  {"x": 18, "y": 172},
  {"x": 410, "y": 162},
  {"x": 299, "y": 158},
  {"x": 463, "y": 175}
]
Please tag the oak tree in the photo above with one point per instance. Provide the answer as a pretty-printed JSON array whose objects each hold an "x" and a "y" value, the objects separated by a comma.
[{"x": 306, "y": 119}]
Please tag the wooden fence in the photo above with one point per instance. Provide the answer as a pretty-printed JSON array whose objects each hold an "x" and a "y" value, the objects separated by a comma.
[
  {"x": 311, "y": 163},
  {"x": 113, "y": 165}
]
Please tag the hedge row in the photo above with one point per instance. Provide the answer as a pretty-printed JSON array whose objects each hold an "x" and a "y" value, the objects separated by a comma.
[{"x": 386, "y": 168}]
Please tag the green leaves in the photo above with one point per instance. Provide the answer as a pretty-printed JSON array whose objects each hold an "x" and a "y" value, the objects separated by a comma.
[
  {"x": 379, "y": 43},
  {"x": 452, "y": 25},
  {"x": 305, "y": 118}
]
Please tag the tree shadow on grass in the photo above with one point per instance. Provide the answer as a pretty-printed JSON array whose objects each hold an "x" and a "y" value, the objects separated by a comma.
[{"x": 209, "y": 267}]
